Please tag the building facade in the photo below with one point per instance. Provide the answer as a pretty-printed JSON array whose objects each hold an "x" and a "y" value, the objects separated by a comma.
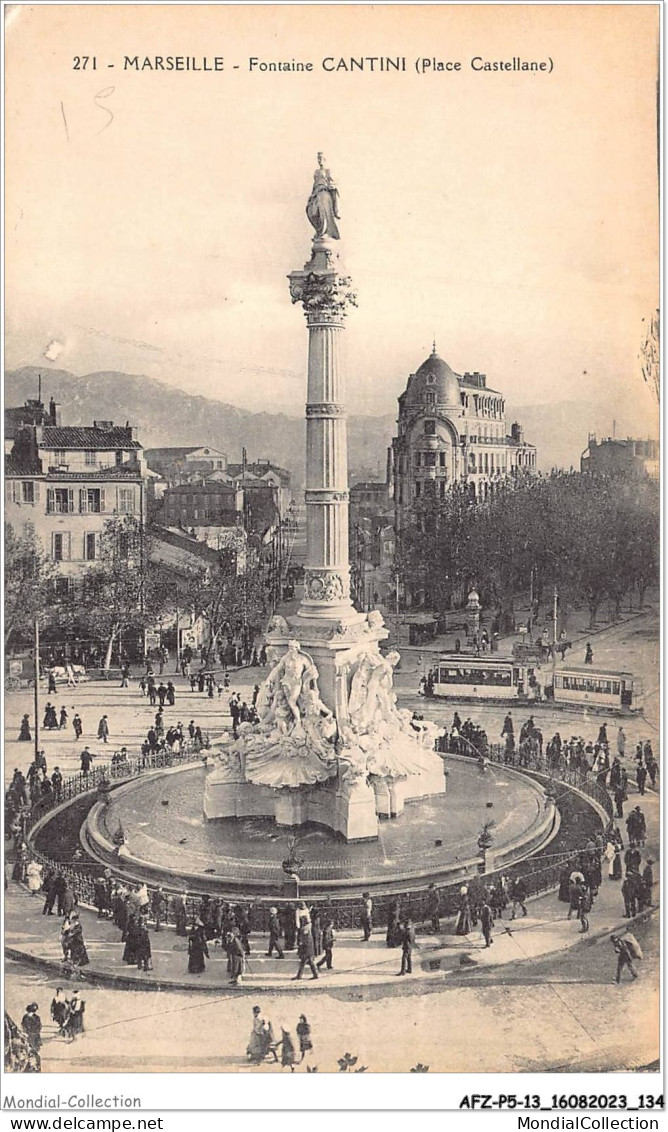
[
  {"x": 451, "y": 430},
  {"x": 67, "y": 481},
  {"x": 635, "y": 458}
]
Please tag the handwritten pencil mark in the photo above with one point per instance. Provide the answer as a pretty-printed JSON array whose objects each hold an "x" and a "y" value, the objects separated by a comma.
[
  {"x": 106, "y": 93},
  {"x": 62, "y": 111}
]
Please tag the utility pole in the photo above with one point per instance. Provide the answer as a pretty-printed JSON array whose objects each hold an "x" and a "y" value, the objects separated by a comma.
[
  {"x": 555, "y": 609},
  {"x": 36, "y": 673}
]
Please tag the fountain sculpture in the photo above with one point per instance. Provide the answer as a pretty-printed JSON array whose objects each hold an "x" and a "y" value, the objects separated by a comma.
[{"x": 331, "y": 746}]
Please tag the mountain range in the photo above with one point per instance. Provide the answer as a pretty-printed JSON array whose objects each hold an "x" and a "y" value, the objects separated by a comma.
[{"x": 164, "y": 415}]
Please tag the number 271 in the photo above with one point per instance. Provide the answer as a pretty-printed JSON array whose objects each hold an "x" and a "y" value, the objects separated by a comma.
[{"x": 80, "y": 62}]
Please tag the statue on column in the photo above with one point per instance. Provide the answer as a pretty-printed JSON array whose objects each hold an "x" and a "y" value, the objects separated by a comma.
[{"x": 322, "y": 207}]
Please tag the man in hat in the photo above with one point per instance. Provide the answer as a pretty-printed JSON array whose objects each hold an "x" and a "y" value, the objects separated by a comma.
[
  {"x": 275, "y": 934},
  {"x": 624, "y": 957},
  {"x": 367, "y": 920},
  {"x": 407, "y": 945},
  {"x": 306, "y": 952}
]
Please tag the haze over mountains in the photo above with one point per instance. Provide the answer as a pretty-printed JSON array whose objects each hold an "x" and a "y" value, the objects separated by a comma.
[{"x": 164, "y": 416}]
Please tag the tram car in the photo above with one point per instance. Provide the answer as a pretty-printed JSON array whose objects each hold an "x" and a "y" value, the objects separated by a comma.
[
  {"x": 596, "y": 687},
  {"x": 480, "y": 678}
]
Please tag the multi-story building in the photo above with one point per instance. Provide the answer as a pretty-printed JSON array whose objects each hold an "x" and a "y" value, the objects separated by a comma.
[
  {"x": 452, "y": 429},
  {"x": 633, "y": 458},
  {"x": 67, "y": 481}
]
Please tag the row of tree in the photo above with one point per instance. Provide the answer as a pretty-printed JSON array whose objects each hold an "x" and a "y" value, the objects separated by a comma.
[
  {"x": 593, "y": 536},
  {"x": 124, "y": 592}
]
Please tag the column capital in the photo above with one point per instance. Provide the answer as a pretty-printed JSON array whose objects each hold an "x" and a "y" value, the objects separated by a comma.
[{"x": 326, "y": 296}]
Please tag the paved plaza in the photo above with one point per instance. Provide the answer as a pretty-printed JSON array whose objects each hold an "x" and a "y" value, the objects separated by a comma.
[{"x": 497, "y": 1000}]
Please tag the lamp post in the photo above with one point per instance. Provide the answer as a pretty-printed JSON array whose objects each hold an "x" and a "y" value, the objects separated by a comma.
[{"x": 36, "y": 674}]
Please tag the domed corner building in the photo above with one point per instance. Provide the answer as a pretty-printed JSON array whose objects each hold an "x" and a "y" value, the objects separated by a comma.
[{"x": 452, "y": 428}]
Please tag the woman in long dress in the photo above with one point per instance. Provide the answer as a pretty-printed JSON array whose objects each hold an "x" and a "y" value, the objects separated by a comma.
[
  {"x": 60, "y": 1010},
  {"x": 34, "y": 876},
  {"x": 197, "y": 949},
  {"x": 463, "y": 925},
  {"x": 258, "y": 1043},
  {"x": 78, "y": 953}
]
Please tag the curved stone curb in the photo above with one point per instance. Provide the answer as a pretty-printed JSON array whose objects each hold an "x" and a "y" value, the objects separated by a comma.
[{"x": 415, "y": 985}]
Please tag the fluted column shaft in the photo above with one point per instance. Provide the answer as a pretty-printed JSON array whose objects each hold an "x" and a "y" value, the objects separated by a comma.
[{"x": 325, "y": 295}]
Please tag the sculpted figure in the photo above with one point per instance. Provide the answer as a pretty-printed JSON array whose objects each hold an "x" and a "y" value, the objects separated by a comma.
[
  {"x": 288, "y": 678},
  {"x": 372, "y": 700},
  {"x": 322, "y": 207}
]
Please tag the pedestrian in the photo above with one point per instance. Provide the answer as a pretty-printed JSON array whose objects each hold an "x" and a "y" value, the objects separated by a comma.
[
  {"x": 170, "y": 694},
  {"x": 125, "y": 674},
  {"x": 289, "y": 926},
  {"x": 316, "y": 931},
  {"x": 589, "y": 654},
  {"x": 50, "y": 722},
  {"x": 288, "y": 1054},
  {"x": 274, "y": 934},
  {"x": 77, "y": 948},
  {"x": 304, "y": 1036},
  {"x": 74, "y": 1025},
  {"x": 180, "y": 910},
  {"x": 584, "y": 907},
  {"x": 52, "y": 683},
  {"x": 486, "y": 923},
  {"x": 49, "y": 890},
  {"x": 434, "y": 908},
  {"x": 328, "y": 939},
  {"x": 143, "y": 946},
  {"x": 197, "y": 948},
  {"x": 626, "y": 953},
  {"x": 463, "y": 924},
  {"x": 392, "y": 936},
  {"x": 647, "y": 883},
  {"x": 31, "y": 1024},
  {"x": 259, "y": 1042},
  {"x": 103, "y": 729},
  {"x": 621, "y": 742},
  {"x": 86, "y": 760},
  {"x": 305, "y": 952},
  {"x": 34, "y": 876},
  {"x": 159, "y": 907},
  {"x": 619, "y": 796},
  {"x": 641, "y": 778},
  {"x": 142, "y": 685},
  {"x": 630, "y": 896},
  {"x": 59, "y": 1010},
  {"x": 78, "y": 726},
  {"x": 24, "y": 734},
  {"x": 407, "y": 945},
  {"x": 518, "y": 896},
  {"x": 235, "y": 956},
  {"x": 62, "y": 722},
  {"x": 367, "y": 916}
]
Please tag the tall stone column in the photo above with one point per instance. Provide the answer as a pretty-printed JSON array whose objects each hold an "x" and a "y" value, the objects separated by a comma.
[{"x": 326, "y": 295}]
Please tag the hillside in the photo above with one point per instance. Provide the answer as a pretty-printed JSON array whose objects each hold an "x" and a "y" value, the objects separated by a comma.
[{"x": 165, "y": 415}]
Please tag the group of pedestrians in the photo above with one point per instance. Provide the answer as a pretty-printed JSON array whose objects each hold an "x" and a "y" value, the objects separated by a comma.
[
  {"x": 263, "y": 1043},
  {"x": 67, "y": 1015}
]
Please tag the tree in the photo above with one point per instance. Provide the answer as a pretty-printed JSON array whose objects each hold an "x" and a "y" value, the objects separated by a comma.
[
  {"x": 122, "y": 592},
  {"x": 29, "y": 577},
  {"x": 592, "y": 536},
  {"x": 226, "y": 599}
]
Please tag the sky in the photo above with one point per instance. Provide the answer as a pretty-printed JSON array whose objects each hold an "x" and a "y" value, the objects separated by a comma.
[{"x": 152, "y": 217}]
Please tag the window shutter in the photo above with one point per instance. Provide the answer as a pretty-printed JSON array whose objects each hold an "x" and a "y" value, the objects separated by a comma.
[
  {"x": 83, "y": 501},
  {"x": 67, "y": 546},
  {"x": 102, "y": 500},
  {"x": 50, "y": 500},
  {"x": 83, "y": 553},
  {"x": 36, "y": 491},
  {"x": 70, "y": 499}
]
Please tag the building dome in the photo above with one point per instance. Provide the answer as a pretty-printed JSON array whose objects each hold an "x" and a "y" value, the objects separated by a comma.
[{"x": 434, "y": 377}]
